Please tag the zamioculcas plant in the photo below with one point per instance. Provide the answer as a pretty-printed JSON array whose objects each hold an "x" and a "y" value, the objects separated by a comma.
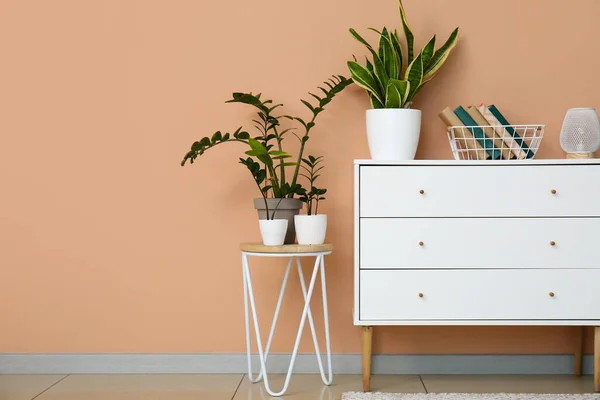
[
  {"x": 313, "y": 195},
  {"x": 394, "y": 74},
  {"x": 267, "y": 145},
  {"x": 312, "y": 227}
]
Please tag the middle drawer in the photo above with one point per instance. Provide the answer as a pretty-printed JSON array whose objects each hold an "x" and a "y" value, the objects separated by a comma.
[{"x": 392, "y": 243}]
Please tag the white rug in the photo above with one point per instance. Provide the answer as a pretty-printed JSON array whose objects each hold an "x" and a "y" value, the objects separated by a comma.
[{"x": 466, "y": 396}]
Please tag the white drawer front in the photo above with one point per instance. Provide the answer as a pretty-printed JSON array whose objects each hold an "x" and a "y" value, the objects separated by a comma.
[
  {"x": 388, "y": 243},
  {"x": 480, "y": 294},
  {"x": 494, "y": 190}
]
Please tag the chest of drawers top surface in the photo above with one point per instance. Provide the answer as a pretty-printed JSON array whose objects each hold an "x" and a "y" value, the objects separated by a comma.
[{"x": 546, "y": 188}]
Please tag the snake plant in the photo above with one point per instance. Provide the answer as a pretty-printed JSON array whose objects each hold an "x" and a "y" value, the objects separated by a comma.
[{"x": 391, "y": 79}]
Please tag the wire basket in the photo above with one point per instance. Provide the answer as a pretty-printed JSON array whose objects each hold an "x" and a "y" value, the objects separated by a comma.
[{"x": 495, "y": 142}]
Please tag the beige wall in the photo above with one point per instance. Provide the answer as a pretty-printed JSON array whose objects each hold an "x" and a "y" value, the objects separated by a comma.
[{"x": 108, "y": 245}]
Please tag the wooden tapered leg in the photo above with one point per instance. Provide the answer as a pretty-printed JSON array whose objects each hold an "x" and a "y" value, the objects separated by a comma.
[
  {"x": 367, "y": 352},
  {"x": 597, "y": 359},
  {"x": 578, "y": 350}
]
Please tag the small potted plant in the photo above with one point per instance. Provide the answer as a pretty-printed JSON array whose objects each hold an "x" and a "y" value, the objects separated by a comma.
[
  {"x": 392, "y": 78},
  {"x": 272, "y": 230},
  {"x": 312, "y": 227}
]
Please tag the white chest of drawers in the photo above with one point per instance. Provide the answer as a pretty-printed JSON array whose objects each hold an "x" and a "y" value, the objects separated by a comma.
[{"x": 477, "y": 243}]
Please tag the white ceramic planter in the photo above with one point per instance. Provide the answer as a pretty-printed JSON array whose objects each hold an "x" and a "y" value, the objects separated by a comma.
[
  {"x": 310, "y": 229},
  {"x": 273, "y": 231},
  {"x": 393, "y": 133}
]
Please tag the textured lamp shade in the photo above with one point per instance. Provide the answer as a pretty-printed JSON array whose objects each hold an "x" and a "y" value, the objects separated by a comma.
[{"x": 580, "y": 134}]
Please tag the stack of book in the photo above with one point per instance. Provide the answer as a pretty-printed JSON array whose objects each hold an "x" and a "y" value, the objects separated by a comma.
[{"x": 484, "y": 133}]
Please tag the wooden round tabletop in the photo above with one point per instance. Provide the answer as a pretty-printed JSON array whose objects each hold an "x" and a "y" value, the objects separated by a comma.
[{"x": 286, "y": 248}]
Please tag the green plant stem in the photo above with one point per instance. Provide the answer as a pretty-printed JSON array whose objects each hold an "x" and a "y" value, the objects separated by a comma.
[
  {"x": 281, "y": 162},
  {"x": 274, "y": 181},
  {"x": 264, "y": 198},
  {"x": 302, "y": 143},
  {"x": 277, "y": 207}
]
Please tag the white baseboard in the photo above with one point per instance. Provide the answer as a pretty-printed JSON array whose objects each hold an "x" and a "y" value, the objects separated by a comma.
[{"x": 278, "y": 363}]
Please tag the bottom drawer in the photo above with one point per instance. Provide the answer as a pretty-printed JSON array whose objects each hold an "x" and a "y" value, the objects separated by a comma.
[{"x": 480, "y": 294}]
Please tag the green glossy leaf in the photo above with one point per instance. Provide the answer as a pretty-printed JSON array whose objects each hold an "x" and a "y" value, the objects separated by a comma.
[
  {"x": 244, "y": 135},
  {"x": 257, "y": 146},
  {"x": 427, "y": 52},
  {"x": 249, "y": 98},
  {"x": 397, "y": 49},
  {"x": 375, "y": 103},
  {"x": 316, "y": 97},
  {"x": 277, "y": 155},
  {"x": 216, "y": 137},
  {"x": 260, "y": 176},
  {"x": 196, "y": 146},
  {"x": 393, "y": 97},
  {"x": 414, "y": 75},
  {"x": 266, "y": 189},
  {"x": 274, "y": 107},
  {"x": 204, "y": 142},
  {"x": 308, "y": 105},
  {"x": 225, "y": 137},
  {"x": 381, "y": 49},
  {"x": 410, "y": 38},
  {"x": 365, "y": 79},
  {"x": 299, "y": 120},
  {"x": 403, "y": 88},
  {"x": 265, "y": 159},
  {"x": 387, "y": 54},
  {"x": 440, "y": 56},
  {"x": 380, "y": 72}
]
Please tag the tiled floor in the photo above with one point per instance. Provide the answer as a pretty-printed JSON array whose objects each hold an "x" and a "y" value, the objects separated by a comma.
[{"x": 237, "y": 386}]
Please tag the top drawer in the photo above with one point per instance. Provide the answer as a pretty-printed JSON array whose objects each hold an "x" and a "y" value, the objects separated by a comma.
[{"x": 480, "y": 191}]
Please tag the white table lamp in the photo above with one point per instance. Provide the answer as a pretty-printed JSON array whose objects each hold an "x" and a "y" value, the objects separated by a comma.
[{"x": 580, "y": 133}]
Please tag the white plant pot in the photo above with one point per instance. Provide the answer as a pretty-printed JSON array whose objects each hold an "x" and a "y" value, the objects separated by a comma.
[
  {"x": 310, "y": 229},
  {"x": 393, "y": 133},
  {"x": 273, "y": 231}
]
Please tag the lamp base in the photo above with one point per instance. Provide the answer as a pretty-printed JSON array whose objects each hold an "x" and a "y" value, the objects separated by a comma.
[{"x": 581, "y": 155}]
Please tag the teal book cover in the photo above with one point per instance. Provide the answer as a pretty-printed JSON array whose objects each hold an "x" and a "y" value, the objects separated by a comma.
[
  {"x": 510, "y": 130},
  {"x": 478, "y": 133}
]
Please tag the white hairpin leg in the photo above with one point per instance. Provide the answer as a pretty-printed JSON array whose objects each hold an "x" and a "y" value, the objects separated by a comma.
[
  {"x": 245, "y": 269},
  {"x": 306, "y": 313},
  {"x": 321, "y": 263}
]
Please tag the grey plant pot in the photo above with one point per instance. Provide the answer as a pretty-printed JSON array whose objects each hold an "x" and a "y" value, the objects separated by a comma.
[{"x": 286, "y": 209}]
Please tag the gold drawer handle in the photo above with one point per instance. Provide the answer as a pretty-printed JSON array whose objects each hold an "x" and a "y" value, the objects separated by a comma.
[
  {"x": 551, "y": 294},
  {"x": 421, "y": 244},
  {"x": 422, "y": 191},
  {"x": 553, "y": 243},
  {"x": 420, "y": 294},
  {"x": 553, "y": 191}
]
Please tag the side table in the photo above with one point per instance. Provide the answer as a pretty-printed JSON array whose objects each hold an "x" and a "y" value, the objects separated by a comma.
[{"x": 292, "y": 252}]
